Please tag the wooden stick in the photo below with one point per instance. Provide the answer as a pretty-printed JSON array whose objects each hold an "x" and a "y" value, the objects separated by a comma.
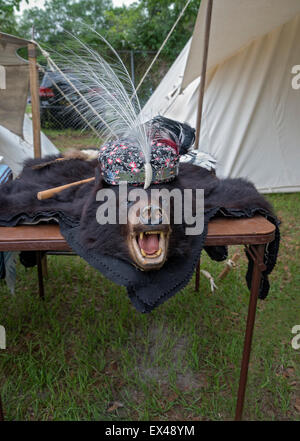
[
  {"x": 46, "y": 164},
  {"x": 203, "y": 73},
  {"x": 35, "y": 99},
  {"x": 46, "y": 194}
]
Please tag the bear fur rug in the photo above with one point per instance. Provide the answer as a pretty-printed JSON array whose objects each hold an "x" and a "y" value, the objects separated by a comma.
[{"x": 105, "y": 247}]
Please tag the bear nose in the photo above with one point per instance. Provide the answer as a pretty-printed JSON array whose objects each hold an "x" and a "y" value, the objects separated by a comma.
[{"x": 151, "y": 215}]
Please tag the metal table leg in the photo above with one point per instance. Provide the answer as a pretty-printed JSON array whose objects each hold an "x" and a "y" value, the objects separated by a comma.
[{"x": 257, "y": 254}]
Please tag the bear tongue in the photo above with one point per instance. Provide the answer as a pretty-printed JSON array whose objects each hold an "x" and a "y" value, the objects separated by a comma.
[{"x": 149, "y": 243}]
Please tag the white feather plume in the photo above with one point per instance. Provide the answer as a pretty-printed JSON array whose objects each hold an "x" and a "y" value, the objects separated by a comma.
[{"x": 102, "y": 95}]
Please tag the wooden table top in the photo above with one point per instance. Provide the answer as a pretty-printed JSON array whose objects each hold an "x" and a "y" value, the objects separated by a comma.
[{"x": 223, "y": 231}]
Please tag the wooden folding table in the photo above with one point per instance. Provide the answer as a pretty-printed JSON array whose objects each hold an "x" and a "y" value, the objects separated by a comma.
[{"x": 254, "y": 233}]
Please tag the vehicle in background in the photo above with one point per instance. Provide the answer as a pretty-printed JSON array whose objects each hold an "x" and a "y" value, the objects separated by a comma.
[{"x": 55, "y": 109}]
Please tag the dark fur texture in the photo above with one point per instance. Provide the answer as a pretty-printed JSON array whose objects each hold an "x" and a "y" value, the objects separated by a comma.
[
  {"x": 77, "y": 206},
  {"x": 80, "y": 205},
  {"x": 20, "y": 196}
]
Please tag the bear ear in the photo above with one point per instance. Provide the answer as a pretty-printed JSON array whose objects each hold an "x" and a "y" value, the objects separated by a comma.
[{"x": 98, "y": 178}]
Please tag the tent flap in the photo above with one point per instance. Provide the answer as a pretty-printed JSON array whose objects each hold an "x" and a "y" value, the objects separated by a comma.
[
  {"x": 14, "y": 84},
  {"x": 234, "y": 24},
  {"x": 251, "y": 111}
]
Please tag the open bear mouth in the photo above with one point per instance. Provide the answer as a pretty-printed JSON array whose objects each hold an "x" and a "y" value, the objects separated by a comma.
[
  {"x": 148, "y": 242},
  {"x": 149, "y": 248}
]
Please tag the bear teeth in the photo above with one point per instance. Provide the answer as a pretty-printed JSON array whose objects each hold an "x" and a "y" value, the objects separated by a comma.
[
  {"x": 151, "y": 232},
  {"x": 151, "y": 256}
]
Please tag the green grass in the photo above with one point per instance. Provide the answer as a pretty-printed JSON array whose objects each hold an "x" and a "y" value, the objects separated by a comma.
[
  {"x": 71, "y": 138},
  {"x": 85, "y": 348}
]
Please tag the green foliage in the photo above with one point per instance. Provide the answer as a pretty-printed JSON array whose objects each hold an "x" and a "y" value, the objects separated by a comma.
[
  {"x": 8, "y": 22},
  {"x": 142, "y": 26},
  {"x": 63, "y": 15},
  {"x": 137, "y": 30},
  {"x": 156, "y": 20}
]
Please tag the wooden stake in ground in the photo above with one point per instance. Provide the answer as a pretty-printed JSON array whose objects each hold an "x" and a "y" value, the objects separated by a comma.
[{"x": 229, "y": 265}]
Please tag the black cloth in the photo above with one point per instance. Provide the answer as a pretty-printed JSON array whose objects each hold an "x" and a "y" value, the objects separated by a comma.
[{"x": 75, "y": 211}]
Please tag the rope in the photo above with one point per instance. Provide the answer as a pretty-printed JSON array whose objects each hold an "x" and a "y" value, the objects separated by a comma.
[
  {"x": 230, "y": 263},
  {"x": 161, "y": 48},
  {"x": 213, "y": 286}
]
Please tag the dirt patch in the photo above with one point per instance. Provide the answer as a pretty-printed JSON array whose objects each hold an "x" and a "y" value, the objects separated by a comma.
[{"x": 163, "y": 357}]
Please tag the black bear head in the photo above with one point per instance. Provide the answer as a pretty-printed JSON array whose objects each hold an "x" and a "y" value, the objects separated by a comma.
[{"x": 151, "y": 234}]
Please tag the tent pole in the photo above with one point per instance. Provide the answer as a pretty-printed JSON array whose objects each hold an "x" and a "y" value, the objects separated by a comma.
[
  {"x": 203, "y": 72},
  {"x": 35, "y": 100}
]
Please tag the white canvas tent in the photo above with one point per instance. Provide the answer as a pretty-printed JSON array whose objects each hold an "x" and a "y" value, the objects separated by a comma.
[
  {"x": 16, "y": 149},
  {"x": 251, "y": 112},
  {"x": 16, "y": 133}
]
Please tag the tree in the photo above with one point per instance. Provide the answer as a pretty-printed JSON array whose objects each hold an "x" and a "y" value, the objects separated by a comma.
[
  {"x": 144, "y": 25},
  {"x": 8, "y": 22},
  {"x": 59, "y": 16},
  {"x": 138, "y": 30}
]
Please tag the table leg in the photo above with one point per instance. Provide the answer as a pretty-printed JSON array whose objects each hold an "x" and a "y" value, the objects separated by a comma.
[
  {"x": 40, "y": 274},
  {"x": 257, "y": 254},
  {"x": 197, "y": 280},
  {"x": 45, "y": 266}
]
